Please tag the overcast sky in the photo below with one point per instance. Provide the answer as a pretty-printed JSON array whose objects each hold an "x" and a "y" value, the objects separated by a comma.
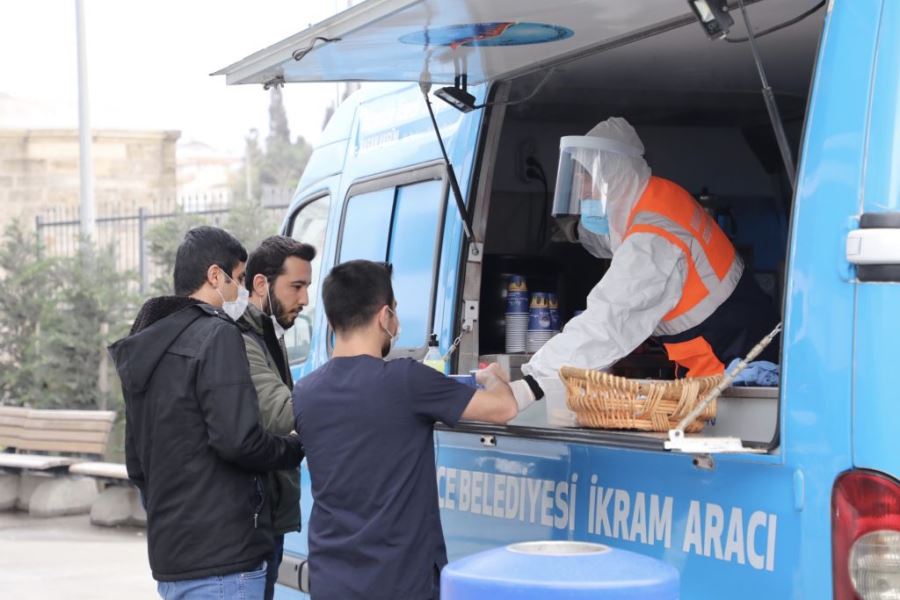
[{"x": 149, "y": 63}]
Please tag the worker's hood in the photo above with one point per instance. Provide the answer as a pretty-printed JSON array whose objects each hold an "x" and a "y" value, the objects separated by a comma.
[{"x": 601, "y": 177}]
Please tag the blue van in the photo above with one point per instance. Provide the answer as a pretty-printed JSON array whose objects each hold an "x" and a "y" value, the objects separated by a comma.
[{"x": 807, "y": 504}]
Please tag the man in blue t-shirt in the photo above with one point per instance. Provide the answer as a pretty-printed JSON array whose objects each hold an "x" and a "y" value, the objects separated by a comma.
[{"x": 367, "y": 427}]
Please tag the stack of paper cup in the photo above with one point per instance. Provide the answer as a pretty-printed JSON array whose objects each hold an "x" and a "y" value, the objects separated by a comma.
[
  {"x": 516, "y": 314},
  {"x": 554, "y": 313},
  {"x": 539, "y": 330}
]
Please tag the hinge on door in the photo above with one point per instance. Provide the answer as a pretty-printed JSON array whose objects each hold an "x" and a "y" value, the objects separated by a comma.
[
  {"x": 470, "y": 315},
  {"x": 476, "y": 250},
  {"x": 277, "y": 81}
]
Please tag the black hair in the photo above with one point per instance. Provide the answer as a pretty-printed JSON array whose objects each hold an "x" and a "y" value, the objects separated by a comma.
[
  {"x": 202, "y": 248},
  {"x": 354, "y": 292},
  {"x": 268, "y": 259}
]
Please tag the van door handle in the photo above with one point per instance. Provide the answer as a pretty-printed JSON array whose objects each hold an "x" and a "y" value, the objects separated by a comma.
[{"x": 875, "y": 247}]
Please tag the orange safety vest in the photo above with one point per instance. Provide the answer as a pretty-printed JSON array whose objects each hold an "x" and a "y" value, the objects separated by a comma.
[{"x": 714, "y": 268}]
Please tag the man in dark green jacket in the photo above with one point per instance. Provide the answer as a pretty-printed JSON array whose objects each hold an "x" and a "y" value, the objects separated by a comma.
[{"x": 278, "y": 277}]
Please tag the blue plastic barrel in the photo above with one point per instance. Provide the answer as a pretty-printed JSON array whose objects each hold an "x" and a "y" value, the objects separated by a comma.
[{"x": 558, "y": 570}]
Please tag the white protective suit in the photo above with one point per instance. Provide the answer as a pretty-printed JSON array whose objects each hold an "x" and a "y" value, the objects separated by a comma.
[{"x": 644, "y": 282}]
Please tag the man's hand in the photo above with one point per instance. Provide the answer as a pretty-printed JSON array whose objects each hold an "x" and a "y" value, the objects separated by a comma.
[
  {"x": 495, "y": 403},
  {"x": 491, "y": 377}
]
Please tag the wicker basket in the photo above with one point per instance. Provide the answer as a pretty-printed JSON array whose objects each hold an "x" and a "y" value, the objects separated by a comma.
[{"x": 606, "y": 401}]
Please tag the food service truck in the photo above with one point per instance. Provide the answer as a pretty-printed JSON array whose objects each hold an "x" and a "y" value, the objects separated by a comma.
[{"x": 782, "y": 118}]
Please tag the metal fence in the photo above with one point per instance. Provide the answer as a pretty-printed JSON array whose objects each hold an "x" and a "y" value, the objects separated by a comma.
[{"x": 125, "y": 235}]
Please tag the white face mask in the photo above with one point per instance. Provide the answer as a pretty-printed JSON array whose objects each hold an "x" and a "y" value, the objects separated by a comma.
[
  {"x": 394, "y": 336},
  {"x": 279, "y": 330},
  {"x": 235, "y": 308}
]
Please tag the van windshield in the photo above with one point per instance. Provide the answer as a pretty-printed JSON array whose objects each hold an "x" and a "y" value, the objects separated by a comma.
[{"x": 697, "y": 108}]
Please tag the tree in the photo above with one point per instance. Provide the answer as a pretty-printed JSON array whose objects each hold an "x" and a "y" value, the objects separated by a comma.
[
  {"x": 26, "y": 296},
  {"x": 245, "y": 185},
  {"x": 250, "y": 223},
  {"x": 93, "y": 308},
  {"x": 244, "y": 220},
  {"x": 283, "y": 163},
  {"x": 163, "y": 239},
  {"x": 57, "y": 315},
  {"x": 280, "y": 165},
  {"x": 279, "y": 131}
]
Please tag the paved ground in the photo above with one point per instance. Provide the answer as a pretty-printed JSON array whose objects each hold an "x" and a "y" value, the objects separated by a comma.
[{"x": 68, "y": 558}]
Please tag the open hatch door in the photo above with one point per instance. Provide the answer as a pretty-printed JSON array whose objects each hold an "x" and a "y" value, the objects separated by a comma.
[{"x": 434, "y": 41}]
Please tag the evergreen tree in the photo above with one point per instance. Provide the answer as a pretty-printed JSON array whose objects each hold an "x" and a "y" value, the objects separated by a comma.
[
  {"x": 246, "y": 185},
  {"x": 249, "y": 223},
  {"x": 245, "y": 220},
  {"x": 279, "y": 131},
  {"x": 26, "y": 296},
  {"x": 163, "y": 239},
  {"x": 57, "y": 315},
  {"x": 283, "y": 161},
  {"x": 283, "y": 164},
  {"x": 279, "y": 166},
  {"x": 93, "y": 308}
]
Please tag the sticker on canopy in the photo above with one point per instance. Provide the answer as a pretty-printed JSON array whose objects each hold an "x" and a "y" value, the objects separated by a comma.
[{"x": 507, "y": 33}]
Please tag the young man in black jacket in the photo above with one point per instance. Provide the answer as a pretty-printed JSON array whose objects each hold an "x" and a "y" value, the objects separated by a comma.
[{"x": 193, "y": 442}]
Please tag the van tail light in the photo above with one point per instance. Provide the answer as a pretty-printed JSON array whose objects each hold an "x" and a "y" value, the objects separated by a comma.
[{"x": 865, "y": 536}]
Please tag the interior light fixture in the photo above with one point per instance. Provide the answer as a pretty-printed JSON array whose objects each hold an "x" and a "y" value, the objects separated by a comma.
[
  {"x": 713, "y": 16},
  {"x": 457, "y": 96}
]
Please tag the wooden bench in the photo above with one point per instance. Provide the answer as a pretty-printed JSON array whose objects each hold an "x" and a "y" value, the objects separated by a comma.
[
  {"x": 40, "y": 445},
  {"x": 67, "y": 434}
]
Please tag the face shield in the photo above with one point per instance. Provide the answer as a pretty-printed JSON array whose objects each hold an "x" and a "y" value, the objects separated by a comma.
[
  {"x": 582, "y": 182},
  {"x": 588, "y": 173}
]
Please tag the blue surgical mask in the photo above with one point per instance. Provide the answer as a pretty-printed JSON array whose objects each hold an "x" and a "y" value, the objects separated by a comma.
[{"x": 593, "y": 216}]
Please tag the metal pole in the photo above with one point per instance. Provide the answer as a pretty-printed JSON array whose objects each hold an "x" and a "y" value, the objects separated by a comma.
[
  {"x": 247, "y": 176},
  {"x": 103, "y": 370},
  {"x": 726, "y": 381},
  {"x": 142, "y": 249},
  {"x": 38, "y": 225},
  {"x": 784, "y": 146},
  {"x": 84, "y": 130}
]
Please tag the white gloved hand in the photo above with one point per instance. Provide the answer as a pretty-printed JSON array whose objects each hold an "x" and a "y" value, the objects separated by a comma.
[
  {"x": 523, "y": 394},
  {"x": 491, "y": 376}
]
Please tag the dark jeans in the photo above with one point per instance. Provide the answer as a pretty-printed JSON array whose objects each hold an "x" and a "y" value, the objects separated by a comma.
[{"x": 274, "y": 561}]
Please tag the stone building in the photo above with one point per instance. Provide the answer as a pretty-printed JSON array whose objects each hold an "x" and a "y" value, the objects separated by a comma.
[{"x": 39, "y": 172}]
